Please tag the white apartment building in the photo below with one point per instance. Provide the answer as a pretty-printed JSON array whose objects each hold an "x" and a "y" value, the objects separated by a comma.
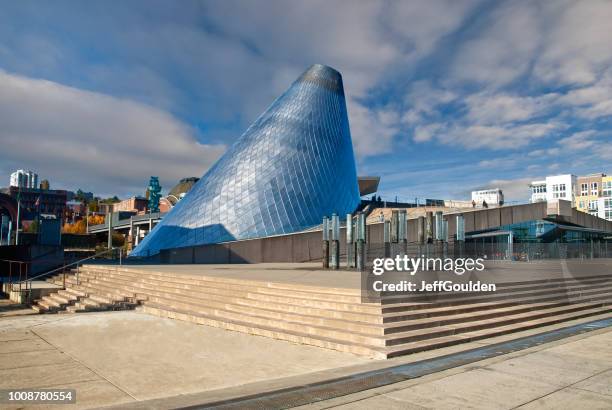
[
  {"x": 604, "y": 203},
  {"x": 555, "y": 187},
  {"x": 604, "y": 208},
  {"x": 538, "y": 191},
  {"x": 24, "y": 179},
  {"x": 493, "y": 196}
]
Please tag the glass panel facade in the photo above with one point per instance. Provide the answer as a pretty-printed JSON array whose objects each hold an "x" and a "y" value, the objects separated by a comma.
[
  {"x": 542, "y": 231},
  {"x": 291, "y": 167}
]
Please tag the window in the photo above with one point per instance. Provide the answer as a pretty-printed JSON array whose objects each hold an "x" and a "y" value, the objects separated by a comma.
[
  {"x": 606, "y": 188},
  {"x": 558, "y": 191},
  {"x": 581, "y": 206},
  {"x": 593, "y": 205},
  {"x": 594, "y": 188},
  {"x": 584, "y": 189}
]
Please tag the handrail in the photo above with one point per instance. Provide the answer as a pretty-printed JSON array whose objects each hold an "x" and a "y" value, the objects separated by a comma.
[
  {"x": 70, "y": 264},
  {"x": 28, "y": 281}
]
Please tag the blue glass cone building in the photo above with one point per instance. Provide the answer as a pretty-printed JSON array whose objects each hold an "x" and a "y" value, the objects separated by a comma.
[{"x": 291, "y": 167}]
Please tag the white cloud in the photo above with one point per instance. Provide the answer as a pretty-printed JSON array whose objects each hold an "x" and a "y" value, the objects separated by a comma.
[
  {"x": 577, "y": 42},
  {"x": 426, "y": 132},
  {"x": 496, "y": 137},
  {"x": 77, "y": 138},
  {"x": 502, "y": 50},
  {"x": 372, "y": 130},
  {"x": 578, "y": 141},
  {"x": 486, "y": 108}
]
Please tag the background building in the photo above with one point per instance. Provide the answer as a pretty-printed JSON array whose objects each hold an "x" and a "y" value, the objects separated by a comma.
[
  {"x": 554, "y": 188},
  {"x": 24, "y": 179},
  {"x": 604, "y": 202},
  {"x": 33, "y": 201},
  {"x": 588, "y": 193},
  {"x": 561, "y": 187},
  {"x": 136, "y": 204},
  {"x": 538, "y": 191},
  {"x": 490, "y": 196},
  {"x": 177, "y": 193}
]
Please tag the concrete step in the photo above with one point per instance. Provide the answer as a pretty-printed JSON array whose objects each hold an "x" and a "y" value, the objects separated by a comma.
[
  {"x": 108, "y": 291},
  {"x": 256, "y": 293},
  {"x": 502, "y": 320},
  {"x": 178, "y": 280},
  {"x": 38, "y": 308},
  {"x": 456, "y": 318},
  {"x": 337, "y": 318},
  {"x": 272, "y": 332},
  {"x": 502, "y": 289},
  {"x": 434, "y": 311},
  {"x": 445, "y": 341},
  {"x": 458, "y": 299},
  {"x": 282, "y": 319},
  {"x": 72, "y": 293},
  {"x": 247, "y": 303}
]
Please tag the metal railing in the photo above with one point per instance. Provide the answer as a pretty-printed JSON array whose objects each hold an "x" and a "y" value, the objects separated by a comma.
[
  {"x": 25, "y": 283},
  {"x": 524, "y": 252}
]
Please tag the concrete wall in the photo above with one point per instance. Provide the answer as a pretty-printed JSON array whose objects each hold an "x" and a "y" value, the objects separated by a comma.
[{"x": 307, "y": 246}]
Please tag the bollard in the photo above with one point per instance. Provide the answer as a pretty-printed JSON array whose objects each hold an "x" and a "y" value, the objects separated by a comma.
[
  {"x": 335, "y": 242},
  {"x": 421, "y": 230},
  {"x": 394, "y": 228},
  {"x": 439, "y": 230},
  {"x": 350, "y": 242},
  {"x": 325, "y": 243},
  {"x": 387, "y": 238},
  {"x": 460, "y": 235},
  {"x": 428, "y": 227},
  {"x": 402, "y": 231},
  {"x": 361, "y": 240}
]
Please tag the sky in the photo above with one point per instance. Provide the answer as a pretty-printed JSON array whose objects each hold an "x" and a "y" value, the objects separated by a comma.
[{"x": 444, "y": 97}]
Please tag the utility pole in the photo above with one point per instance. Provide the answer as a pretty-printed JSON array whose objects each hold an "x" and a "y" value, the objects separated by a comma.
[{"x": 18, "y": 216}]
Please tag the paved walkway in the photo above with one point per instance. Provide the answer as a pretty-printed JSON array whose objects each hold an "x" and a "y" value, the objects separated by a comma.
[
  {"x": 574, "y": 374},
  {"x": 122, "y": 357}
]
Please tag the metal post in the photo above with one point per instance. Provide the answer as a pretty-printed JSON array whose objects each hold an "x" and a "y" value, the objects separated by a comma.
[
  {"x": 429, "y": 227},
  {"x": 510, "y": 245},
  {"x": 387, "y": 238},
  {"x": 460, "y": 233},
  {"x": 18, "y": 219},
  {"x": 394, "y": 228},
  {"x": 335, "y": 242},
  {"x": 131, "y": 232},
  {"x": 402, "y": 233},
  {"x": 325, "y": 243},
  {"x": 421, "y": 230},
  {"x": 110, "y": 230},
  {"x": 360, "y": 245},
  {"x": 439, "y": 235},
  {"x": 350, "y": 242}
]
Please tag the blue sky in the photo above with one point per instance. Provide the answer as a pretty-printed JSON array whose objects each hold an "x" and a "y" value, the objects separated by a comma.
[{"x": 443, "y": 96}]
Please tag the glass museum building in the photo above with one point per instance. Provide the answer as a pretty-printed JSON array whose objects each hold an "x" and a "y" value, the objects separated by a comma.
[{"x": 292, "y": 166}]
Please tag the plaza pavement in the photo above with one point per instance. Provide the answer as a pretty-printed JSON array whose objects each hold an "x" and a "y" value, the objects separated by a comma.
[{"x": 131, "y": 360}]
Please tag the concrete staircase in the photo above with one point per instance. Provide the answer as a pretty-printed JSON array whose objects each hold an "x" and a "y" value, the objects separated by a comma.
[
  {"x": 334, "y": 318},
  {"x": 81, "y": 295}
]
